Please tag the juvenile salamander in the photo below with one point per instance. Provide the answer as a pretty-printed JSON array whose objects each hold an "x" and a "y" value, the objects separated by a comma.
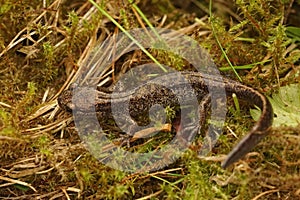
[{"x": 199, "y": 82}]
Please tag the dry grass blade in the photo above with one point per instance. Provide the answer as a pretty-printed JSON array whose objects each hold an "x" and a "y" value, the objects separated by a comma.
[
  {"x": 10, "y": 138},
  {"x": 265, "y": 193},
  {"x": 13, "y": 181},
  {"x": 5, "y": 105},
  {"x": 150, "y": 196},
  {"x": 16, "y": 40}
]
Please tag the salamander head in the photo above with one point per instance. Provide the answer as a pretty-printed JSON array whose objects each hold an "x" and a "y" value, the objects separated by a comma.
[
  {"x": 78, "y": 98},
  {"x": 65, "y": 100}
]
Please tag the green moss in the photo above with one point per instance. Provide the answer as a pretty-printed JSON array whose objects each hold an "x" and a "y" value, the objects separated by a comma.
[{"x": 44, "y": 54}]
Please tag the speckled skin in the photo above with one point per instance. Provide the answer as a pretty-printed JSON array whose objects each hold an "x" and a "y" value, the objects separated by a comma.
[{"x": 143, "y": 97}]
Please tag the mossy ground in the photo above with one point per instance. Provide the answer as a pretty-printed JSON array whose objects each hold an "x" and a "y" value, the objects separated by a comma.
[{"x": 41, "y": 46}]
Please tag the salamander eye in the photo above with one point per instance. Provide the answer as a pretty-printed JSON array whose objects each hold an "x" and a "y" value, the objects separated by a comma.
[{"x": 73, "y": 86}]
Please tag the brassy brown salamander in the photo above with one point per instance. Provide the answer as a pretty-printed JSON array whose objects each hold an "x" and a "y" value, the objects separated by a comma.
[{"x": 159, "y": 95}]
